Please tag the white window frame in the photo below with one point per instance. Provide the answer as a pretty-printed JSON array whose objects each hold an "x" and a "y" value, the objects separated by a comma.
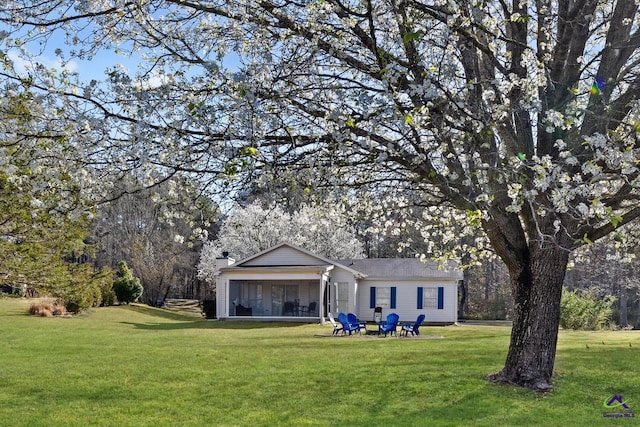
[{"x": 430, "y": 297}]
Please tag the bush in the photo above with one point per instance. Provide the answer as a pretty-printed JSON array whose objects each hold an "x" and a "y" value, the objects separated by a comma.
[
  {"x": 78, "y": 287},
  {"x": 585, "y": 310},
  {"x": 127, "y": 288},
  {"x": 80, "y": 290},
  {"x": 46, "y": 309},
  {"x": 81, "y": 297},
  {"x": 104, "y": 280}
]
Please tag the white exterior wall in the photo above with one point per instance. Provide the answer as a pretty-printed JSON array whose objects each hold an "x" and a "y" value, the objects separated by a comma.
[
  {"x": 339, "y": 275},
  {"x": 284, "y": 256},
  {"x": 287, "y": 263},
  {"x": 406, "y": 300},
  {"x": 222, "y": 284}
]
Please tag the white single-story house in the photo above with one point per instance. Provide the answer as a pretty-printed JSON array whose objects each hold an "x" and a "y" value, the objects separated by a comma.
[{"x": 286, "y": 282}]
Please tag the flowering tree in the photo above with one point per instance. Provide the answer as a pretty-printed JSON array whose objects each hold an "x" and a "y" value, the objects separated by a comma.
[
  {"x": 521, "y": 115},
  {"x": 43, "y": 213},
  {"x": 250, "y": 230}
]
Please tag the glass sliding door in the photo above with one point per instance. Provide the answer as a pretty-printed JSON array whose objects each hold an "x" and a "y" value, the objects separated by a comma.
[
  {"x": 252, "y": 294},
  {"x": 277, "y": 300},
  {"x": 281, "y": 294},
  {"x": 271, "y": 298}
]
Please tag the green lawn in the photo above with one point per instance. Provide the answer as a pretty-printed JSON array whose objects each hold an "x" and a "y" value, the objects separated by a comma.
[{"x": 139, "y": 366}]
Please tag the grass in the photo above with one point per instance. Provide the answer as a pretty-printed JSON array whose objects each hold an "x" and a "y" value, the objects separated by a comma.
[{"x": 140, "y": 366}]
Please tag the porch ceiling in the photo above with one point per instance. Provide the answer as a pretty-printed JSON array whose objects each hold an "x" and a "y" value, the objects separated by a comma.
[{"x": 278, "y": 269}]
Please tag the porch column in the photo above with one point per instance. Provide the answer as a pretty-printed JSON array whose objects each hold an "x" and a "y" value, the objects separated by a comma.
[
  {"x": 221, "y": 296},
  {"x": 324, "y": 279}
]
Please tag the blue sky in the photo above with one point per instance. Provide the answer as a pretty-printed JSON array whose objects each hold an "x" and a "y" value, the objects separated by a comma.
[
  {"x": 87, "y": 69},
  {"x": 93, "y": 69}
]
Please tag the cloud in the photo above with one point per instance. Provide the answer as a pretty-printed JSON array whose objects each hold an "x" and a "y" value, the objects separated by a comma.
[
  {"x": 24, "y": 65},
  {"x": 152, "y": 81}
]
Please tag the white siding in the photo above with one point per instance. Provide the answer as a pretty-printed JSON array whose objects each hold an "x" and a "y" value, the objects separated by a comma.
[
  {"x": 339, "y": 275},
  {"x": 284, "y": 256},
  {"x": 287, "y": 263},
  {"x": 221, "y": 297},
  {"x": 406, "y": 300}
]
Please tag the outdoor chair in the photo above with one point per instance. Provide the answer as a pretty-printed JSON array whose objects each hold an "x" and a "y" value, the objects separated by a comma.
[
  {"x": 241, "y": 310},
  {"x": 289, "y": 307},
  {"x": 311, "y": 309},
  {"x": 346, "y": 326},
  {"x": 353, "y": 320},
  {"x": 336, "y": 327},
  {"x": 413, "y": 328},
  {"x": 389, "y": 327}
]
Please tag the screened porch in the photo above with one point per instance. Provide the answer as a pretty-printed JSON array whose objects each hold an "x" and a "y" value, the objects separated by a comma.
[{"x": 274, "y": 298}]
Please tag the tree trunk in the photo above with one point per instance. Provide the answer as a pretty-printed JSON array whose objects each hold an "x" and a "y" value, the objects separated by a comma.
[
  {"x": 624, "y": 320},
  {"x": 537, "y": 289},
  {"x": 488, "y": 279},
  {"x": 463, "y": 286}
]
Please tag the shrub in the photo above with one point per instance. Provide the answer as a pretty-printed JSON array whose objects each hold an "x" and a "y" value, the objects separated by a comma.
[
  {"x": 58, "y": 310},
  {"x": 80, "y": 299},
  {"x": 34, "y": 308},
  {"x": 104, "y": 279},
  {"x": 126, "y": 287},
  {"x": 585, "y": 310},
  {"x": 46, "y": 309},
  {"x": 80, "y": 291}
]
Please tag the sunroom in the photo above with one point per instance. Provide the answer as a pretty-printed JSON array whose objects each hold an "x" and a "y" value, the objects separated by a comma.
[{"x": 274, "y": 298}]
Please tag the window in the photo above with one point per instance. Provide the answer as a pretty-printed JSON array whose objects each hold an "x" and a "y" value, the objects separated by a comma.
[
  {"x": 383, "y": 296},
  {"x": 431, "y": 297}
]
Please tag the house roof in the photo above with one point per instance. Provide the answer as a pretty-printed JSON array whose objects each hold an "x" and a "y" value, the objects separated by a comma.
[
  {"x": 288, "y": 257},
  {"x": 285, "y": 253},
  {"x": 400, "y": 268}
]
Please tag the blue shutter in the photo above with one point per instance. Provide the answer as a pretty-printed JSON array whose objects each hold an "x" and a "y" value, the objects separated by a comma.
[
  {"x": 372, "y": 297},
  {"x": 419, "y": 306},
  {"x": 440, "y": 298},
  {"x": 393, "y": 297}
]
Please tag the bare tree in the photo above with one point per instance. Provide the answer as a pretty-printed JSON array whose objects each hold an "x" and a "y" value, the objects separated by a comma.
[{"x": 157, "y": 242}]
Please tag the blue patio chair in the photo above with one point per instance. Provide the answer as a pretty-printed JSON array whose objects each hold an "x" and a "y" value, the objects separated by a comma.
[
  {"x": 346, "y": 326},
  {"x": 336, "y": 327},
  {"x": 353, "y": 320},
  {"x": 389, "y": 327},
  {"x": 413, "y": 328}
]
